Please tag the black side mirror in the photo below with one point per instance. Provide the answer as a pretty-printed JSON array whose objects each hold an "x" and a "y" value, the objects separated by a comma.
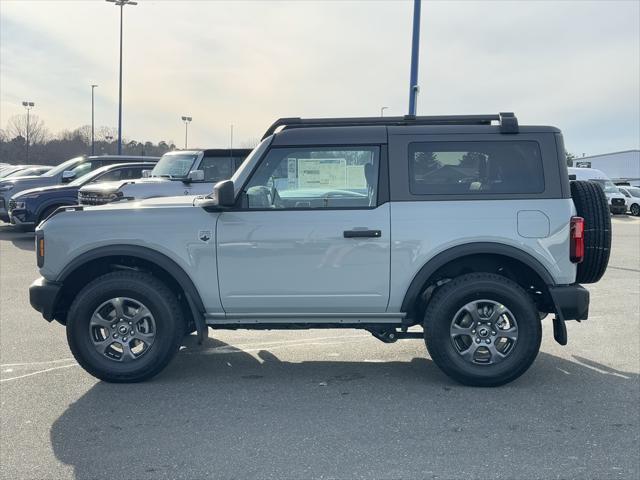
[{"x": 224, "y": 194}]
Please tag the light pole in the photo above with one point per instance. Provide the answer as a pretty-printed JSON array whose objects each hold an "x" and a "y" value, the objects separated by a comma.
[
  {"x": 93, "y": 144},
  {"x": 186, "y": 121},
  {"x": 28, "y": 106},
  {"x": 382, "y": 109},
  {"x": 121, "y": 4},
  {"x": 415, "y": 47}
]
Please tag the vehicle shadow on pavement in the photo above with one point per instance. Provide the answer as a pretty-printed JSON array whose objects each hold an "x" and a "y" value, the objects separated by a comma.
[
  {"x": 221, "y": 412},
  {"x": 21, "y": 239}
]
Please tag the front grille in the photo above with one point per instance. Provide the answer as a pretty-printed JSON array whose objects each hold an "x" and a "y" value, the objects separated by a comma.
[
  {"x": 617, "y": 202},
  {"x": 91, "y": 199},
  {"x": 12, "y": 205}
]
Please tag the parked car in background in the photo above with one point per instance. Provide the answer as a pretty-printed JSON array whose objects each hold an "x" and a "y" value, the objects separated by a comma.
[
  {"x": 616, "y": 200},
  {"x": 66, "y": 172},
  {"x": 182, "y": 172},
  {"x": 13, "y": 169},
  {"x": 28, "y": 208},
  {"x": 632, "y": 198},
  {"x": 33, "y": 170}
]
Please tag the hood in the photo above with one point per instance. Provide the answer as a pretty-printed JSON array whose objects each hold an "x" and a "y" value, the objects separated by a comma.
[
  {"x": 29, "y": 182},
  {"x": 110, "y": 187},
  {"x": 49, "y": 189},
  {"x": 158, "y": 202}
]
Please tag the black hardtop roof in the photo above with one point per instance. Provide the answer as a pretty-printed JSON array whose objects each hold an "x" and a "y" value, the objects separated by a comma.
[
  {"x": 507, "y": 121},
  {"x": 376, "y": 129}
]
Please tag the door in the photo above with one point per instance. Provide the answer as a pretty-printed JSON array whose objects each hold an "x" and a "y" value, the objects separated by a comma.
[{"x": 312, "y": 235}]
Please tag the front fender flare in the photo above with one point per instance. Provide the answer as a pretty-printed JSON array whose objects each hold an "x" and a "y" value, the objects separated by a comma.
[{"x": 170, "y": 266}]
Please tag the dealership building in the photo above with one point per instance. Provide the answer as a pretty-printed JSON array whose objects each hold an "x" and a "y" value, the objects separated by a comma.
[{"x": 621, "y": 167}]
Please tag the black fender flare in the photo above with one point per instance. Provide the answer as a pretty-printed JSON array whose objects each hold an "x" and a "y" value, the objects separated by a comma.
[
  {"x": 442, "y": 258},
  {"x": 161, "y": 260}
]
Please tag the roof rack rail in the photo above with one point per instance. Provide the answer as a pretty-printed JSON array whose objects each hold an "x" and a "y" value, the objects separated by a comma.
[{"x": 507, "y": 121}]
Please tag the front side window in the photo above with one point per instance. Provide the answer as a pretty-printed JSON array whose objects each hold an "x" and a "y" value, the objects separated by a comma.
[
  {"x": 217, "y": 168},
  {"x": 319, "y": 177},
  {"x": 455, "y": 168}
]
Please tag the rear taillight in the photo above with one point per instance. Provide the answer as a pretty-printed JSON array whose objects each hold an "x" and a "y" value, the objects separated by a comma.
[{"x": 577, "y": 239}]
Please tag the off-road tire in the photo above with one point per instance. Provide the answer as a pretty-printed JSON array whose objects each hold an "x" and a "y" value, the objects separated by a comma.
[
  {"x": 592, "y": 205},
  {"x": 442, "y": 308},
  {"x": 139, "y": 286}
]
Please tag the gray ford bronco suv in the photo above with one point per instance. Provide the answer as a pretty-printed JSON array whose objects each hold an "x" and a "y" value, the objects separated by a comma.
[{"x": 462, "y": 230}]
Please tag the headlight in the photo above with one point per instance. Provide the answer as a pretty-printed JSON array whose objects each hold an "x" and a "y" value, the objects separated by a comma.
[
  {"x": 6, "y": 187},
  {"x": 19, "y": 206}
]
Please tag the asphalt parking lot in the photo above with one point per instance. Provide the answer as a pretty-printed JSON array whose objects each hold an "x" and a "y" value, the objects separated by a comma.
[{"x": 323, "y": 404}]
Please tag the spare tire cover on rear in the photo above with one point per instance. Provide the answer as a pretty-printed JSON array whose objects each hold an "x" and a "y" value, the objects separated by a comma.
[{"x": 591, "y": 204}]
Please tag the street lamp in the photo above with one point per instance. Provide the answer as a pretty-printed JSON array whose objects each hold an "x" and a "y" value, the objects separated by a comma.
[
  {"x": 121, "y": 4},
  {"x": 186, "y": 121},
  {"x": 415, "y": 48},
  {"x": 93, "y": 145},
  {"x": 28, "y": 106},
  {"x": 382, "y": 109}
]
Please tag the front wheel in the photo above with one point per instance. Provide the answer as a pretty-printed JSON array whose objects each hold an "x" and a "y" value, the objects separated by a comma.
[
  {"x": 482, "y": 329},
  {"x": 635, "y": 210},
  {"x": 124, "y": 327}
]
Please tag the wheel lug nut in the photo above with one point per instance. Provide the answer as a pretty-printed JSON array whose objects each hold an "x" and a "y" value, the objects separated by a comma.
[
  {"x": 486, "y": 341},
  {"x": 115, "y": 335},
  {"x": 129, "y": 323},
  {"x": 493, "y": 333},
  {"x": 473, "y": 331},
  {"x": 124, "y": 339},
  {"x": 477, "y": 340},
  {"x": 131, "y": 332}
]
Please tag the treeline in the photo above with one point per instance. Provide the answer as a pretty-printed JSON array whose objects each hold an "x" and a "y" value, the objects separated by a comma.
[{"x": 48, "y": 149}]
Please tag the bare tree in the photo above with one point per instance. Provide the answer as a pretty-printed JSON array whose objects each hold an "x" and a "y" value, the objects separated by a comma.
[{"x": 17, "y": 127}]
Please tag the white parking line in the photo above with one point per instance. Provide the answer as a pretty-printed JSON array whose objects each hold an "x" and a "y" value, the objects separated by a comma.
[
  {"x": 37, "y": 373},
  {"x": 2, "y": 365}
]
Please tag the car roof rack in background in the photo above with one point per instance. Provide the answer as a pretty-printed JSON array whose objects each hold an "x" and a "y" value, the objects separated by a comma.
[{"x": 506, "y": 120}]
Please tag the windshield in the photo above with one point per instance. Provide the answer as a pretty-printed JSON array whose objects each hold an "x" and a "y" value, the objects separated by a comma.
[
  {"x": 607, "y": 185},
  {"x": 174, "y": 165},
  {"x": 245, "y": 169},
  {"x": 78, "y": 182},
  {"x": 62, "y": 167}
]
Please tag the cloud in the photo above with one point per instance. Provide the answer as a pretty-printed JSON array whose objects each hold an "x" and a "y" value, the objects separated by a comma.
[{"x": 571, "y": 64}]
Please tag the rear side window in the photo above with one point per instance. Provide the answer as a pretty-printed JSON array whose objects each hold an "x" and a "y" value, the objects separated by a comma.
[
  {"x": 475, "y": 168},
  {"x": 217, "y": 168}
]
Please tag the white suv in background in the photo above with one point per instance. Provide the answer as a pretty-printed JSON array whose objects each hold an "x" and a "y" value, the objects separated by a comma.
[
  {"x": 632, "y": 199},
  {"x": 182, "y": 172}
]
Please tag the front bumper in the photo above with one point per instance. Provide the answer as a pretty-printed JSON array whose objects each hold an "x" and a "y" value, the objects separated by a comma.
[
  {"x": 44, "y": 296},
  {"x": 571, "y": 301},
  {"x": 20, "y": 217},
  {"x": 618, "y": 209}
]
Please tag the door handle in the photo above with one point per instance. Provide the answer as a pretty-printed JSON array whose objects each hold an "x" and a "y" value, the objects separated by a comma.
[{"x": 362, "y": 233}]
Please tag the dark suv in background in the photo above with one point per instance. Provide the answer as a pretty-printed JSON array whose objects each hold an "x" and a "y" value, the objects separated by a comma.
[
  {"x": 30, "y": 207},
  {"x": 64, "y": 173}
]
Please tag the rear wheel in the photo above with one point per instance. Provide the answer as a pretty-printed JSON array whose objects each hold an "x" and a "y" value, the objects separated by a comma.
[
  {"x": 124, "y": 327},
  {"x": 635, "y": 210},
  {"x": 482, "y": 329},
  {"x": 591, "y": 204}
]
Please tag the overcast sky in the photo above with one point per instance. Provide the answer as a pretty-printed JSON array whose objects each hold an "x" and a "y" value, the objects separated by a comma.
[{"x": 572, "y": 64}]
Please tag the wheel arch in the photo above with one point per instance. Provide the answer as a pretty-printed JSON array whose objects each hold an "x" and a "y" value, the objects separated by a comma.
[
  {"x": 473, "y": 257},
  {"x": 100, "y": 260}
]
